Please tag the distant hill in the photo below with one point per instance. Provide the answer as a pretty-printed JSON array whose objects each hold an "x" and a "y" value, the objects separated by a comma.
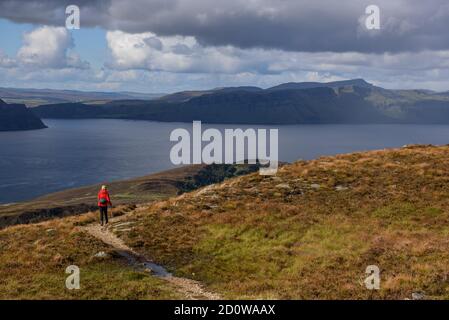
[
  {"x": 309, "y": 85},
  {"x": 317, "y": 105},
  {"x": 18, "y": 117},
  {"x": 351, "y": 101},
  {"x": 34, "y": 97}
]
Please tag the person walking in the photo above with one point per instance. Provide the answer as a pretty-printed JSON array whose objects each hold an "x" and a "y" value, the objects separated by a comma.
[{"x": 103, "y": 201}]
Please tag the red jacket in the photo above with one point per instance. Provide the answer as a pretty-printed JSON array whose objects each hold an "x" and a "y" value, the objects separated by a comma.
[{"x": 104, "y": 194}]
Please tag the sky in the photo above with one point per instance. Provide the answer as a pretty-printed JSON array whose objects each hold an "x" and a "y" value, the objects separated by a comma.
[{"x": 162, "y": 46}]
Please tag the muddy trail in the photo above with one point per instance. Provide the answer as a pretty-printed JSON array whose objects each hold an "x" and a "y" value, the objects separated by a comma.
[{"x": 190, "y": 289}]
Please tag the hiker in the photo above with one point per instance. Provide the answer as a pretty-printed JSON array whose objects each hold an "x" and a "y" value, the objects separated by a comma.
[{"x": 103, "y": 202}]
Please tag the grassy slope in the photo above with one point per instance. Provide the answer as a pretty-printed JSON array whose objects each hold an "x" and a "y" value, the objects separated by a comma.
[
  {"x": 283, "y": 237},
  {"x": 33, "y": 259}
]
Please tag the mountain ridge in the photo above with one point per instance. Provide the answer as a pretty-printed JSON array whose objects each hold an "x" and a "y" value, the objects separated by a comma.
[{"x": 352, "y": 102}]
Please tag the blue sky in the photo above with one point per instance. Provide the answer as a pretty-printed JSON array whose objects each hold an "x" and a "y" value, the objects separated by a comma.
[
  {"x": 172, "y": 45},
  {"x": 91, "y": 45},
  {"x": 11, "y": 35}
]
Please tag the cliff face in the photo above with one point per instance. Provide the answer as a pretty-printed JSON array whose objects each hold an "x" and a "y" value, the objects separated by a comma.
[{"x": 18, "y": 117}]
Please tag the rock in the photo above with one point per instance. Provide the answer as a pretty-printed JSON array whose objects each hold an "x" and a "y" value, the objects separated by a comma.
[
  {"x": 148, "y": 270},
  {"x": 417, "y": 296},
  {"x": 283, "y": 186},
  {"x": 50, "y": 231},
  {"x": 341, "y": 188},
  {"x": 315, "y": 186},
  {"x": 101, "y": 254}
]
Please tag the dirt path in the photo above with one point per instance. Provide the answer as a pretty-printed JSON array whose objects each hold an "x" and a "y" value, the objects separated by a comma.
[{"x": 191, "y": 289}]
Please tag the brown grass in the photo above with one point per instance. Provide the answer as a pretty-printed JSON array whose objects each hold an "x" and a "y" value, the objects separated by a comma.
[
  {"x": 253, "y": 237},
  {"x": 33, "y": 260}
]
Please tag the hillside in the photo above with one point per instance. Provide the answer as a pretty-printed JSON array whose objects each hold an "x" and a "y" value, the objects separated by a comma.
[
  {"x": 34, "y": 259},
  {"x": 17, "y": 117},
  {"x": 311, "y": 231},
  {"x": 307, "y": 233},
  {"x": 352, "y": 101}
]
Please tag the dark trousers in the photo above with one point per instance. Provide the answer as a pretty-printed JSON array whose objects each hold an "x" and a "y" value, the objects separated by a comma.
[{"x": 103, "y": 214}]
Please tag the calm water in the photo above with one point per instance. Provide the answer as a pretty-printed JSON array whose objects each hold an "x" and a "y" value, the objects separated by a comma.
[{"x": 73, "y": 153}]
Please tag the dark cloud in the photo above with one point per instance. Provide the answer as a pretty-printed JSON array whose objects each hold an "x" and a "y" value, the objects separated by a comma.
[{"x": 294, "y": 25}]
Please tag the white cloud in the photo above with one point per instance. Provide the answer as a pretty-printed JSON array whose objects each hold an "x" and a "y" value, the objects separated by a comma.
[
  {"x": 172, "y": 54},
  {"x": 49, "y": 47},
  {"x": 178, "y": 54}
]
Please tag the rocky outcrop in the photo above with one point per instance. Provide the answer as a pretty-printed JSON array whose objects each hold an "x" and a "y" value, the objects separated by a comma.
[{"x": 18, "y": 117}]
